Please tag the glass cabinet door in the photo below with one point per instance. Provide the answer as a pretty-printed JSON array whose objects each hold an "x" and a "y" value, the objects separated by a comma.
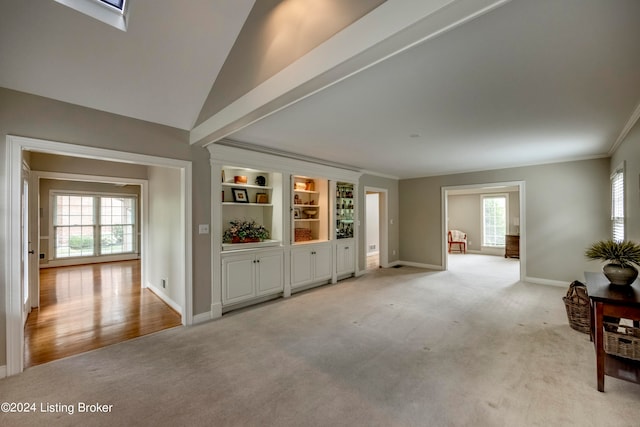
[{"x": 345, "y": 210}]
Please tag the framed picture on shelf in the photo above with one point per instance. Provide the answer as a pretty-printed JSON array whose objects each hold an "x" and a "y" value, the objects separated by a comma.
[
  {"x": 262, "y": 198},
  {"x": 240, "y": 195},
  {"x": 297, "y": 213}
]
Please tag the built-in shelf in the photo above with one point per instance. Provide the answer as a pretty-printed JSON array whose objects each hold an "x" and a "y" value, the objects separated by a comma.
[
  {"x": 232, "y": 184},
  {"x": 246, "y": 204},
  {"x": 253, "y": 245},
  {"x": 306, "y": 219}
]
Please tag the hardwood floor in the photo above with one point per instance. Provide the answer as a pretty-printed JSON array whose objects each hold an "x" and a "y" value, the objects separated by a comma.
[{"x": 91, "y": 306}]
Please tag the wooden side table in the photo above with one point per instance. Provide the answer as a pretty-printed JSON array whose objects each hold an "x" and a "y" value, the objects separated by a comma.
[
  {"x": 613, "y": 301},
  {"x": 512, "y": 246}
]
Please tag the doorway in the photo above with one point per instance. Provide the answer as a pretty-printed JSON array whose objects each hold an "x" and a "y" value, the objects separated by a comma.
[
  {"x": 16, "y": 148},
  {"x": 376, "y": 238},
  {"x": 492, "y": 216}
]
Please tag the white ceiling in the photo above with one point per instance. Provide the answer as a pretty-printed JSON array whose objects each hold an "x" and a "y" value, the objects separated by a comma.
[
  {"x": 160, "y": 70},
  {"x": 527, "y": 82}
]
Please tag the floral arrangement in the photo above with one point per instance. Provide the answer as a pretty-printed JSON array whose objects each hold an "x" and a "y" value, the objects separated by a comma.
[{"x": 244, "y": 230}]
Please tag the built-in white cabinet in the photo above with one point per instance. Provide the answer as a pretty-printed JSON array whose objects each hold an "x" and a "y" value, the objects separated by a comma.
[
  {"x": 309, "y": 210},
  {"x": 345, "y": 257},
  {"x": 311, "y": 264},
  {"x": 252, "y": 274}
]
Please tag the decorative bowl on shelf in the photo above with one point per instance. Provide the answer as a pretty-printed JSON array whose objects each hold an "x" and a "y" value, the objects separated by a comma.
[{"x": 310, "y": 212}]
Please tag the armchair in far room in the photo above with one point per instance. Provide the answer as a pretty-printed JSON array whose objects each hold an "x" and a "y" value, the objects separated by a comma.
[{"x": 457, "y": 240}]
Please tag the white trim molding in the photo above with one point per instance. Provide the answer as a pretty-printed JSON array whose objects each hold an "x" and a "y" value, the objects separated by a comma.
[
  {"x": 15, "y": 145},
  {"x": 546, "y": 282}
]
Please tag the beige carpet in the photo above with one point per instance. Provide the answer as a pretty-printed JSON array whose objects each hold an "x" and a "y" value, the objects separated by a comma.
[{"x": 395, "y": 347}]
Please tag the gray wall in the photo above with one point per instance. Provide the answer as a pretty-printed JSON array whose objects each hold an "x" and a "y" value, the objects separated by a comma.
[
  {"x": 269, "y": 43},
  {"x": 391, "y": 185},
  {"x": 629, "y": 152},
  {"x": 567, "y": 208},
  {"x": 54, "y": 163},
  {"x": 165, "y": 245},
  {"x": 465, "y": 214}
]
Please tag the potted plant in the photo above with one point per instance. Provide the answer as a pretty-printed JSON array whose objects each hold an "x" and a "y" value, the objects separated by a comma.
[
  {"x": 244, "y": 231},
  {"x": 622, "y": 256}
]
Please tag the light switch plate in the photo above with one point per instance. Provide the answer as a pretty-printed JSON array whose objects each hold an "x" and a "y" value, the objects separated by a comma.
[{"x": 203, "y": 228}]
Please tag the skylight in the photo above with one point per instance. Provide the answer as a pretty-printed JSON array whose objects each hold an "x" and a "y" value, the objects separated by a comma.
[
  {"x": 115, "y": 3},
  {"x": 111, "y": 12}
]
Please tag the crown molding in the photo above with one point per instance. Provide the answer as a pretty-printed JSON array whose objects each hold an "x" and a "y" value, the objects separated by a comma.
[{"x": 635, "y": 116}]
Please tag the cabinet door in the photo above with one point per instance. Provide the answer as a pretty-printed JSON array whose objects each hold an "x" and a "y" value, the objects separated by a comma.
[
  {"x": 345, "y": 262},
  {"x": 301, "y": 266},
  {"x": 323, "y": 265},
  {"x": 269, "y": 273},
  {"x": 237, "y": 278}
]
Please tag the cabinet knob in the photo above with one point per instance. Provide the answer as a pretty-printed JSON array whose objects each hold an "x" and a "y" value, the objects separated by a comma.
[{"x": 258, "y": 261}]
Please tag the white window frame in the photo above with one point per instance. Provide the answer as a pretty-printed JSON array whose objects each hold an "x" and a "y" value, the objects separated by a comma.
[
  {"x": 101, "y": 11},
  {"x": 618, "y": 204},
  {"x": 97, "y": 225},
  {"x": 506, "y": 213}
]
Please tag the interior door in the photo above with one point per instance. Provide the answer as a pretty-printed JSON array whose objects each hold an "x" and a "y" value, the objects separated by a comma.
[{"x": 26, "y": 246}]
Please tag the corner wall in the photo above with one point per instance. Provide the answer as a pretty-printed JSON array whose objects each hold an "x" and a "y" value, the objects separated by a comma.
[{"x": 629, "y": 152}]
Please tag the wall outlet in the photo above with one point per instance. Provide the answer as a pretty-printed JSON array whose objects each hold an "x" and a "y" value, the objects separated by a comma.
[
  {"x": 164, "y": 283},
  {"x": 372, "y": 247}
]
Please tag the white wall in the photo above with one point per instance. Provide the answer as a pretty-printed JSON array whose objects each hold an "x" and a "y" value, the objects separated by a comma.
[
  {"x": 164, "y": 235},
  {"x": 373, "y": 223}
]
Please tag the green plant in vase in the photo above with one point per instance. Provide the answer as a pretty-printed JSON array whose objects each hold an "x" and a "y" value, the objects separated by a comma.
[
  {"x": 622, "y": 258},
  {"x": 244, "y": 231}
]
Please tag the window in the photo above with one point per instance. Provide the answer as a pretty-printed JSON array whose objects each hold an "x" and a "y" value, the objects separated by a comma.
[
  {"x": 494, "y": 220},
  {"x": 115, "y": 3},
  {"x": 111, "y": 12},
  {"x": 116, "y": 225},
  {"x": 90, "y": 225},
  {"x": 617, "y": 204}
]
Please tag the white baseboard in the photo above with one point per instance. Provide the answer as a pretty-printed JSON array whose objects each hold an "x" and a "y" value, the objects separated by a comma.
[
  {"x": 3, "y": 371},
  {"x": 547, "y": 282},
  {"x": 164, "y": 297},
  {"x": 419, "y": 265},
  {"x": 216, "y": 310},
  {"x": 202, "y": 317}
]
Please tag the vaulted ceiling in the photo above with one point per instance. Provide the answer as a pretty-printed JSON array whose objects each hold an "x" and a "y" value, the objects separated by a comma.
[{"x": 410, "y": 88}]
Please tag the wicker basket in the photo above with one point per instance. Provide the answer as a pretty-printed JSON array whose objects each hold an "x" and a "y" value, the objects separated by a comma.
[
  {"x": 578, "y": 308},
  {"x": 302, "y": 235},
  {"x": 622, "y": 340}
]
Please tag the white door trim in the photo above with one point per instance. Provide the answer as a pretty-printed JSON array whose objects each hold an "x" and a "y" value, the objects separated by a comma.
[
  {"x": 523, "y": 220},
  {"x": 384, "y": 224},
  {"x": 15, "y": 145}
]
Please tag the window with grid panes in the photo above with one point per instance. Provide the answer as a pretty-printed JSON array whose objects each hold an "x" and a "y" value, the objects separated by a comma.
[
  {"x": 494, "y": 220},
  {"x": 617, "y": 205},
  {"x": 90, "y": 225}
]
